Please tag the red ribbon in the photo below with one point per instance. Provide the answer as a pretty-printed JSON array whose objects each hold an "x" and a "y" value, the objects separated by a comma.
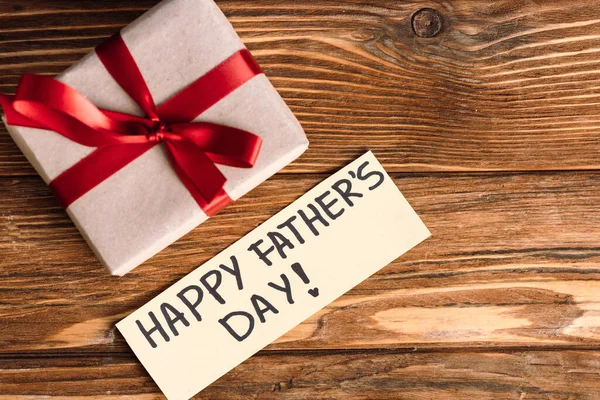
[{"x": 193, "y": 148}]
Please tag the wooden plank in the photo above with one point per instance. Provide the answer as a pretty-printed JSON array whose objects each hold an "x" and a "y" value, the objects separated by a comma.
[
  {"x": 378, "y": 375},
  {"x": 508, "y": 86},
  {"x": 513, "y": 261}
]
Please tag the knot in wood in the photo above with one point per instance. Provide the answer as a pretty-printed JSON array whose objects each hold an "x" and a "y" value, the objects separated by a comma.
[{"x": 427, "y": 22}]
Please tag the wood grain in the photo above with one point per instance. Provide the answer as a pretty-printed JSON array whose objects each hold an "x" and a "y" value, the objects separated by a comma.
[
  {"x": 528, "y": 375},
  {"x": 490, "y": 129},
  {"x": 513, "y": 261},
  {"x": 505, "y": 86}
]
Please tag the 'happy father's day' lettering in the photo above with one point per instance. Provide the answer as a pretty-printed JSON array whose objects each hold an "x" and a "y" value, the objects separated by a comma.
[{"x": 304, "y": 225}]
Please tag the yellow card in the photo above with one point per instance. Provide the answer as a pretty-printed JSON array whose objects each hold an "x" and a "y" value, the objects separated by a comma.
[{"x": 329, "y": 240}]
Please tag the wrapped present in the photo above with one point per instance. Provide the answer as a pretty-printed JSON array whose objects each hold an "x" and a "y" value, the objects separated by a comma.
[{"x": 155, "y": 131}]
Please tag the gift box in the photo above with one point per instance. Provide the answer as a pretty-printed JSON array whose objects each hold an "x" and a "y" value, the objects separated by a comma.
[{"x": 145, "y": 203}]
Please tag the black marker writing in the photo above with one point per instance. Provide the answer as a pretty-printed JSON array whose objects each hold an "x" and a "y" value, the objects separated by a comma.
[
  {"x": 216, "y": 286},
  {"x": 297, "y": 268}
]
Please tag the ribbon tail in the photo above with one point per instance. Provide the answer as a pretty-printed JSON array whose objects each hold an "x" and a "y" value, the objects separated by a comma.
[{"x": 200, "y": 176}]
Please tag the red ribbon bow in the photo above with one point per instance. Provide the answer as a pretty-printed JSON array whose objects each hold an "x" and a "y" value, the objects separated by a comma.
[{"x": 193, "y": 148}]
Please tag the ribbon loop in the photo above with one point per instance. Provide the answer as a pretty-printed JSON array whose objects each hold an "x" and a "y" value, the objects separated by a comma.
[
  {"x": 193, "y": 148},
  {"x": 223, "y": 144}
]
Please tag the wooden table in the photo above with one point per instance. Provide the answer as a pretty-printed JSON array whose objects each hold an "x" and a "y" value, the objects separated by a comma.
[{"x": 487, "y": 116}]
